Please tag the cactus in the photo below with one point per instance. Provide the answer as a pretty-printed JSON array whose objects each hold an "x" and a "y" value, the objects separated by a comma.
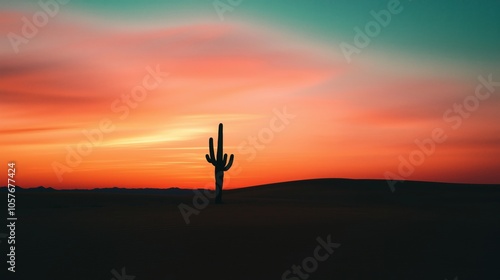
[{"x": 220, "y": 163}]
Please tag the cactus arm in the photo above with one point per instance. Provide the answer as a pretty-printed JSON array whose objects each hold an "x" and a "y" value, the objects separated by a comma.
[
  {"x": 211, "y": 148},
  {"x": 230, "y": 163},
  {"x": 208, "y": 159},
  {"x": 224, "y": 161}
]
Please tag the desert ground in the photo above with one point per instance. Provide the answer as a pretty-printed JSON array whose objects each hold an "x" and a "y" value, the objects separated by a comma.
[{"x": 420, "y": 231}]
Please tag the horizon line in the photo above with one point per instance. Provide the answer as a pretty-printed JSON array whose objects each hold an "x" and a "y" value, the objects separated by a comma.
[{"x": 252, "y": 186}]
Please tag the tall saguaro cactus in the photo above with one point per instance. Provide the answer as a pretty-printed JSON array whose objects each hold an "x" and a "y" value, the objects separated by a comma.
[{"x": 220, "y": 163}]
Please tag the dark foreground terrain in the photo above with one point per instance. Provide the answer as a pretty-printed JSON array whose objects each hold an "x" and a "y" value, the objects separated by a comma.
[{"x": 421, "y": 231}]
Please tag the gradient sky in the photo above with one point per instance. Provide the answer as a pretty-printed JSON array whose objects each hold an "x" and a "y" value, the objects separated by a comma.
[{"x": 354, "y": 120}]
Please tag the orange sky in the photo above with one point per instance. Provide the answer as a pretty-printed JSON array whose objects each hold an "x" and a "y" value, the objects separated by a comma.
[{"x": 349, "y": 120}]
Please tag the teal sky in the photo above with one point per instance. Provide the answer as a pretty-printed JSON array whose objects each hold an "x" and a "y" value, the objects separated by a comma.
[{"x": 453, "y": 30}]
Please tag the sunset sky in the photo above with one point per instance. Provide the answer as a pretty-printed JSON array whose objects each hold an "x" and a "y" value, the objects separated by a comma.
[{"x": 155, "y": 78}]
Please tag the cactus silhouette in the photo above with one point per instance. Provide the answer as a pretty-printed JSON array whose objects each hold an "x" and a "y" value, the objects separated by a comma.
[{"x": 220, "y": 163}]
